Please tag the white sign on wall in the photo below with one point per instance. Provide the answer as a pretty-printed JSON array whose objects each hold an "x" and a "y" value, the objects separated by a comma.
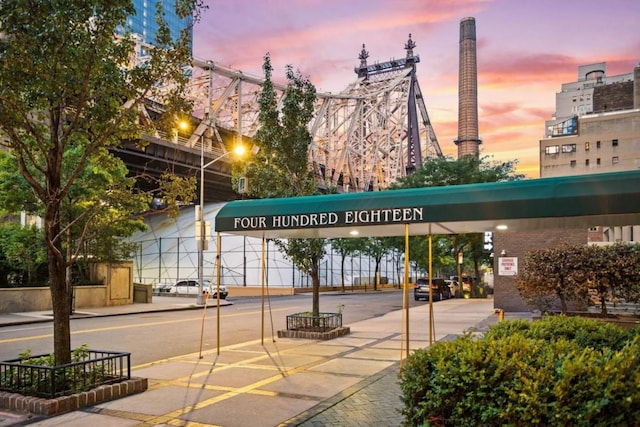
[{"x": 507, "y": 266}]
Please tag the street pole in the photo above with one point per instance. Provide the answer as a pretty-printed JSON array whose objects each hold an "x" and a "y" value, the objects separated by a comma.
[
  {"x": 202, "y": 235},
  {"x": 200, "y": 223}
]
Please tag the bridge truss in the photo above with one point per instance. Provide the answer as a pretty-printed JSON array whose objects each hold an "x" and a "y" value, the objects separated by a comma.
[{"x": 364, "y": 138}]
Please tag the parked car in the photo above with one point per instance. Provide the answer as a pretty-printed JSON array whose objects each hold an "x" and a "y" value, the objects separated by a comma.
[
  {"x": 190, "y": 287},
  {"x": 162, "y": 287},
  {"x": 466, "y": 283},
  {"x": 440, "y": 289},
  {"x": 453, "y": 287}
]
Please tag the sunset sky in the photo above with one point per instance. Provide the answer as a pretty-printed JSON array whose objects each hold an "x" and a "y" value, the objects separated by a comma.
[{"x": 525, "y": 48}]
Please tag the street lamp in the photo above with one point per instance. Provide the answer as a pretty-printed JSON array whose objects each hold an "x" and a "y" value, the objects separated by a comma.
[{"x": 202, "y": 226}]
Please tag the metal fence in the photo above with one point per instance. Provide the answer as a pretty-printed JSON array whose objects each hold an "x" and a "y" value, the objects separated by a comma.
[
  {"x": 323, "y": 322},
  {"x": 165, "y": 260},
  {"x": 26, "y": 377}
]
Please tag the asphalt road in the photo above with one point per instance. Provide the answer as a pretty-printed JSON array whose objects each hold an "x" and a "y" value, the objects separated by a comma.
[{"x": 157, "y": 336}]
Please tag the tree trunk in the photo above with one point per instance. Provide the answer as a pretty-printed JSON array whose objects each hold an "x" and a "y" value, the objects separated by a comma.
[
  {"x": 603, "y": 306},
  {"x": 399, "y": 278},
  {"x": 563, "y": 303},
  {"x": 476, "y": 270},
  {"x": 342, "y": 272},
  {"x": 315, "y": 279},
  {"x": 375, "y": 274},
  {"x": 59, "y": 291}
]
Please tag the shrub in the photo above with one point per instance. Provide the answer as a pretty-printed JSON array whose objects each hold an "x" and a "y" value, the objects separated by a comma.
[
  {"x": 560, "y": 371},
  {"x": 585, "y": 332},
  {"x": 28, "y": 377}
]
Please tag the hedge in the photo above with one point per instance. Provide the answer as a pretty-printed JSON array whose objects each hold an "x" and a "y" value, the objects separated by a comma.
[{"x": 561, "y": 371}]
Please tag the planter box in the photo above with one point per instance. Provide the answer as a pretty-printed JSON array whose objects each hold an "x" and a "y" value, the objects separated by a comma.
[
  {"x": 51, "y": 390},
  {"x": 324, "y": 326},
  {"x": 323, "y": 322},
  {"x": 33, "y": 379}
]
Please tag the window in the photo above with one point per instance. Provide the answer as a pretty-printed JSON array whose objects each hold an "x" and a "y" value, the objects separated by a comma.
[
  {"x": 567, "y": 127},
  {"x": 615, "y": 159},
  {"x": 597, "y": 144},
  {"x": 573, "y": 163},
  {"x": 552, "y": 149},
  {"x": 586, "y": 146},
  {"x": 614, "y": 142},
  {"x": 598, "y": 161},
  {"x": 569, "y": 148},
  {"x": 586, "y": 162}
]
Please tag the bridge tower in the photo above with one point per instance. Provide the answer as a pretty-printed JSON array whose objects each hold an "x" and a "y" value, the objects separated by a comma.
[{"x": 374, "y": 131}]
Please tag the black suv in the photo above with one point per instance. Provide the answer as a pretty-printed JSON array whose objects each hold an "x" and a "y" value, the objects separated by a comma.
[{"x": 439, "y": 287}]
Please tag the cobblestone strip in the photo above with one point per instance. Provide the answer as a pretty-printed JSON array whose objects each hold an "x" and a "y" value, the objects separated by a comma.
[{"x": 374, "y": 401}]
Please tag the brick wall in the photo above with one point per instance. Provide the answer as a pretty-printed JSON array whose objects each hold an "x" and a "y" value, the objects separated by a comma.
[
  {"x": 517, "y": 244},
  {"x": 613, "y": 97}
]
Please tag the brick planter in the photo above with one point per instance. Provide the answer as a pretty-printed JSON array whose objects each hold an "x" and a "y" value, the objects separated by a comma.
[
  {"x": 324, "y": 326},
  {"x": 59, "y": 405},
  {"x": 327, "y": 335}
]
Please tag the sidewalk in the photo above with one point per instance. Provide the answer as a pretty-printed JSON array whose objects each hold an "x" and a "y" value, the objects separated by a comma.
[
  {"x": 347, "y": 381},
  {"x": 160, "y": 303}
]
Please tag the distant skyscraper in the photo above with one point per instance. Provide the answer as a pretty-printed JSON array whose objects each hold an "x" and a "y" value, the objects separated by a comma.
[
  {"x": 144, "y": 21},
  {"x": 468, "y": 141}
]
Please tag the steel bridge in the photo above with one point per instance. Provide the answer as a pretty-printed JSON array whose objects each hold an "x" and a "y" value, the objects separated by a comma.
[{"x": 364, "y": 138}]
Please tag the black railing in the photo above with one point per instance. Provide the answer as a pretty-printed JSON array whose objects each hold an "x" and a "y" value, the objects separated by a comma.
[
  {"x": 323, "y": 322},
  {"x": 97, "y": 368}
]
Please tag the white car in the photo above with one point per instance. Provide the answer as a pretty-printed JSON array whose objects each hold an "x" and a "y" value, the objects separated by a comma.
[
  {"x": 162, "y": 288},
  {"x": 190, "y": 287},
  {"x": 453, "y": 286}
]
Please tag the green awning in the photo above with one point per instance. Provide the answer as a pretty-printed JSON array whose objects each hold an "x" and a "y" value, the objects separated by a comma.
[{"x": 611, "y": 199}]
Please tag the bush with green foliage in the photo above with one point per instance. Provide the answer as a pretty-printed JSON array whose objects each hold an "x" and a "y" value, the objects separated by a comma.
[
  {"x": 569, "y": 273},
  {"x": 556, "y": 372},
  {"x": 81, "y": 375}
]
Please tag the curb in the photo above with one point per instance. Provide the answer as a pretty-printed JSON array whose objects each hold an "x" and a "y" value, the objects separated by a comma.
[{"x": 91, "y": 315}]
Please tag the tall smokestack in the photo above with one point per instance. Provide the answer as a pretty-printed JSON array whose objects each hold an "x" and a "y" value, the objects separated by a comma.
[{"x": 468, "y": 141}]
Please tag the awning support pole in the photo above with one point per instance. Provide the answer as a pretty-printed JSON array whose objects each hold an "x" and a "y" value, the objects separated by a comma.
[
  {"x": 262, "y": 268},
  {"x": 218, "y": 279},
  {"x": 405, "y": 299},
  {"x": 432, "y": 330}
]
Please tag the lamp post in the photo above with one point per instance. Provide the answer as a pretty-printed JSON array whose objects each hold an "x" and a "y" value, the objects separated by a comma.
[{"x": 202, "y": 226}]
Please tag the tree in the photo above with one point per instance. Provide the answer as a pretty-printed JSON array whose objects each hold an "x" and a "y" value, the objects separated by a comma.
[
  {"x": 376, "y": 248},
  {"x": 69, "y": 93},
  {"x": 613, "y": 272},
  {"x": 346, "y": 247},
  {"x": 554, "y": 274},
  {"x": 96, "y": 214},
  {"x": 569, "y": 272},
  {"x": 626, "y": 260},
  {"x": 442, "y": 263},
  {"x": 281, "y": 166},
  {"x": 23, "y": 252},
  {"x": 443, "y": 171}
]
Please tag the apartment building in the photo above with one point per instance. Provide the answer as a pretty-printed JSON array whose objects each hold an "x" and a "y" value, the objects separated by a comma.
[{"x": 596, "y": 129}]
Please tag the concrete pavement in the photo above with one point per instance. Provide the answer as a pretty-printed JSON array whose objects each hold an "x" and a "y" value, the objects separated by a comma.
[{"x": 347, "y": 381}]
